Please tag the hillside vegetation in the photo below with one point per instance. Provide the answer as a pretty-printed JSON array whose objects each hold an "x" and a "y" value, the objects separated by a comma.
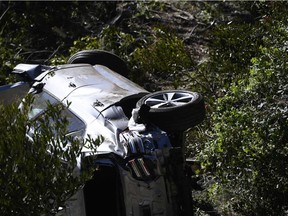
[{"x": 234, "y": 53}]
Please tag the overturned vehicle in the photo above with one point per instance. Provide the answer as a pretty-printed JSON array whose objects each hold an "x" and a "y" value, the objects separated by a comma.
[{"x": 140, "y": 167}]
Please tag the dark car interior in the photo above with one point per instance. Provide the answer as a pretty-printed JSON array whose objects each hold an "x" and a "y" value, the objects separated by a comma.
[{"x": 103, "y": 193}]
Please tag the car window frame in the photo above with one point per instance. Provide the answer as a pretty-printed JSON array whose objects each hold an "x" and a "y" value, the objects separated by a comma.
[{"x": 67, "y": 112}]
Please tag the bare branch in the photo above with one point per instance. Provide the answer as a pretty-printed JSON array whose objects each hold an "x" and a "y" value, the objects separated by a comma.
[{"x": 4, "y": 13}]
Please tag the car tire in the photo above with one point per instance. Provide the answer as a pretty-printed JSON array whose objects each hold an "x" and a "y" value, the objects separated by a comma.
[
  {"x": 100, "y": 57},
  {"x": 173, "y": 110}
]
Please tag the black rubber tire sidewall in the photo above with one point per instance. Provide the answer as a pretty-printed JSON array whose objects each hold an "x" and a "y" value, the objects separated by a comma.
[
  {"x": 180, "y": 118},
  {"x": 100, "y": 57}
]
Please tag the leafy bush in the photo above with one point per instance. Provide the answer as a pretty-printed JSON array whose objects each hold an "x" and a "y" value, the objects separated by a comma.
[
  {"x": 111, "y": 39},
  {"x": 247, "y": 149},
  {"x": 164, "y": 55},
  {"x": 33, "y": 181}
]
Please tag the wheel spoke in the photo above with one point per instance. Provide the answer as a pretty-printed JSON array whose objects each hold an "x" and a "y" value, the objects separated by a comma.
[
  {"x": 155, "y": 102},
  {"x": 175, "y": 103},
  {"x": 184, "y": 99},
  {"x": 160, "y": 105},
  {"x": 169, "y": 96}
]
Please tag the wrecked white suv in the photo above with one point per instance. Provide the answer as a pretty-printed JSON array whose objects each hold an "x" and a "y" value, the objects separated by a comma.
[{"x": 140, "y": 166}]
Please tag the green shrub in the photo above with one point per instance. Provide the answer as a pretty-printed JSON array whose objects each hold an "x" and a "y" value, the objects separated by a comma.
[
  {"x": 164, "y": 56},
  {"x": 247, "y": 152},
  {"x": 33, "y": 181}
]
